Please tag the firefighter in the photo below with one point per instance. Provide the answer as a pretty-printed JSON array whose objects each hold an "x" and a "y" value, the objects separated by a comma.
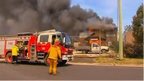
[
  {"x": 15, "y": 50},
  {"x": 54, "y": 55}
]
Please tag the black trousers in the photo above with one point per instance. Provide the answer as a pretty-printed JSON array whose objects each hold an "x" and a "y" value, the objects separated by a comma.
[{"x": 15, "y": 59}]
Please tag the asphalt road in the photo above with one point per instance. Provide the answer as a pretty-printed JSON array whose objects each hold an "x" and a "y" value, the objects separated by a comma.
[{"x": 69, "y": 72}]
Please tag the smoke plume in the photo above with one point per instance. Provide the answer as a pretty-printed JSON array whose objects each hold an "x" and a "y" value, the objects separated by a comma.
[{"x": 38, "y": 15}]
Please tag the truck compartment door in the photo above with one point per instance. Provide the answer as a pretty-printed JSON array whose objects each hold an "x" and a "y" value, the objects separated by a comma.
[
  {"x": 10, "y": 44},
  {"x": 2, "y": 45}
]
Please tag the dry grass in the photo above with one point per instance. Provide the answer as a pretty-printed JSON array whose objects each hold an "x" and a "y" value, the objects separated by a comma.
[{"x": 109, "y": 60}]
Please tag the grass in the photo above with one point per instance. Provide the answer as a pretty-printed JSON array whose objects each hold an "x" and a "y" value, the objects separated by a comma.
[{"x": 108, "y": 60}]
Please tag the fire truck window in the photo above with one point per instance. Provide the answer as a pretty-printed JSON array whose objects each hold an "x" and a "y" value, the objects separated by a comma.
[
  {"x": 59, "y": 37},
  {"x": 44, "y": 38},
  {"x": 68, "y": 40},
  {"x": 53, "y": 38}
]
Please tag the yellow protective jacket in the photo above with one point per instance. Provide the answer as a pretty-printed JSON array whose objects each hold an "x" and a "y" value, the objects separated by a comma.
[
  {"x": 54, "y": 52},
  {"x": 15, "y": 50}
]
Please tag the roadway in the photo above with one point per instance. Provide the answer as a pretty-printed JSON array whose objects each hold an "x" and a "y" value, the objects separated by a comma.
[{"x": 28, "y": 71}]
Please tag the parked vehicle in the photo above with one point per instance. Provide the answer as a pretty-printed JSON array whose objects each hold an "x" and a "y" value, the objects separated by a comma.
[
  {"x": 94, "y": 48},
  {"x": 34, "y": 46}
]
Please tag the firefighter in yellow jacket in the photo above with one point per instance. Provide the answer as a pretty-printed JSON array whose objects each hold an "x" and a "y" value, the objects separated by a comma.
[
  {"x": 54, "y": 54},
  {"x": 15, "y": 50}
]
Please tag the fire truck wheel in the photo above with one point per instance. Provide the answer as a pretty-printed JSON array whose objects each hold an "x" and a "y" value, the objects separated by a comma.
[
  {"x": 9, "y": 57},
  {"x": 46, "y": 60}
]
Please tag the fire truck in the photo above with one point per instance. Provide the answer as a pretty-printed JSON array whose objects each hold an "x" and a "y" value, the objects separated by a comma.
[{"x": 33, "y": 47}]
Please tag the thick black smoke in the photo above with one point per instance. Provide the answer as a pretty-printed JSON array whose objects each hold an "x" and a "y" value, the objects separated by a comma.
[
  {"x": 37, "y": 15},
  {"x": 18, "y": 16}
]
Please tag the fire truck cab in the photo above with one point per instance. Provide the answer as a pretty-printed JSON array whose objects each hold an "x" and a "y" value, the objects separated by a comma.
[{"x": 34, "y": 47}]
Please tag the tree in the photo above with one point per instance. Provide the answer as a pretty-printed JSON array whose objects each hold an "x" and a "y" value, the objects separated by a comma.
[{"x": 138, "y": 26}]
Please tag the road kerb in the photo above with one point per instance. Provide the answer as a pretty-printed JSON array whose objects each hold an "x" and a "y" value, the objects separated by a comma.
[{"x": 98, "y": 64}]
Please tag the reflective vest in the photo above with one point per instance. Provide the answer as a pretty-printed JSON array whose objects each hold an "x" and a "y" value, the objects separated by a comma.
[{"x": 15, "y": 50}]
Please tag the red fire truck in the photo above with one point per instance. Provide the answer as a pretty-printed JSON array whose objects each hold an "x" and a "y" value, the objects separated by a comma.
[{"x": 33, "y": 47}]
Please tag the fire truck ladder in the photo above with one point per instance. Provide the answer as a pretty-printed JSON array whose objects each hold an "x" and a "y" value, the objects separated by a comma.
[{"x": 33, "y": 52}]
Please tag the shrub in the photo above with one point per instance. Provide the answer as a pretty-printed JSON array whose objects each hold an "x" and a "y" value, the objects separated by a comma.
[
  {"x": 115, "y": 47},
  {"x": 134, "y": 51}
]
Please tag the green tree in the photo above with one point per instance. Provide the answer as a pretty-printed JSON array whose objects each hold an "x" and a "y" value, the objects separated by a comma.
[{"x": 138, "y": 25}]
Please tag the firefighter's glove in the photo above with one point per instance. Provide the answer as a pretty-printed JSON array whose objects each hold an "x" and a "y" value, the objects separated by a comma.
[{"x": 60, "y": 59}]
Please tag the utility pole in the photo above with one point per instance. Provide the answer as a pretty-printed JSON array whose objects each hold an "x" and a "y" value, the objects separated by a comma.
[
  {"x": 100, "y": 39},
  {"x": 120, "y": 30}
]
